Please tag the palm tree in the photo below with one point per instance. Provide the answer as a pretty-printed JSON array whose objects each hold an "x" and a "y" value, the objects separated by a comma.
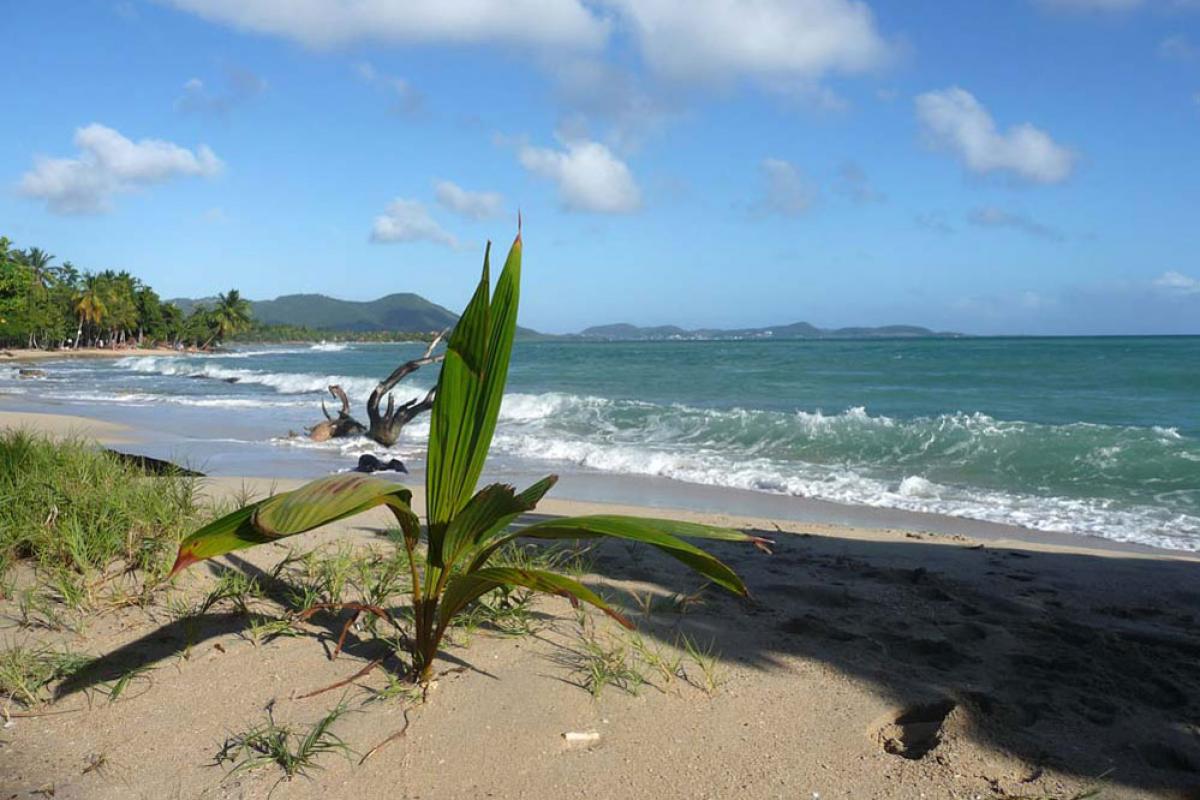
[
  {"x": 89, "y": 304},
  {"x": 38, "y": 261},
  {"x": 231, "y": 314}
]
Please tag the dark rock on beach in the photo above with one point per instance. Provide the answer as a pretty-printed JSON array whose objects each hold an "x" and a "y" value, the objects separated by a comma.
[{"x": 368, "y": 463}]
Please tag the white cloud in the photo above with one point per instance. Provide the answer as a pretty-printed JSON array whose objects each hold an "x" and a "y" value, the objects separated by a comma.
[
  {"x": 719, "y": 39},
  {"x": 328, "y": 23},
  {"x": 409, "y": 221},
  {"x": 787, "y": 191},
  {"x": 992, "y": 217},
  {"x": 1177, "y": 283},
  {"x": 108, "y": 164},
  {"x": 589, "y": 176},
  {"x": 473, "y": 205},
  {"x": 953, "y": 120}
]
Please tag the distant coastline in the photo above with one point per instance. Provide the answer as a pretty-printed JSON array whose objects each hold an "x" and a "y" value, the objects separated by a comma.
[{"x": 795, "y": 330}]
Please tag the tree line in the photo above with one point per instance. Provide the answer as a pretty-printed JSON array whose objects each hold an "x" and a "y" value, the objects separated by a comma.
[{"x": 56, "y": 306}]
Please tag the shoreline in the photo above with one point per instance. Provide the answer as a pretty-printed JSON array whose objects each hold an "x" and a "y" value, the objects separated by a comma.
[
  {"x": 27, "y": 356},
  {"x": 621, "y": 493}
]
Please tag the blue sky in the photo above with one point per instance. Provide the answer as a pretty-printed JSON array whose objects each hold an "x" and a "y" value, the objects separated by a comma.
[{"x": 1014, "y": 166}]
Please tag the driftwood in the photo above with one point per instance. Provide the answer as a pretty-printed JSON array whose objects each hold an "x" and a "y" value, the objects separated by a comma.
[
  {"x": 342, "y": 425},
  {"x": 384, "y": 425}
]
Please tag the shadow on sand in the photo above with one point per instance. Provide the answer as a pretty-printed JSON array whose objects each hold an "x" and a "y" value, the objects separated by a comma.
[{"x": 1082, "y": 663}]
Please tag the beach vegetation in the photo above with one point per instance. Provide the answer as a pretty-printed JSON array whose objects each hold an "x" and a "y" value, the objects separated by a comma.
[
  {"x": 80, "y": 515},
  {"x": 291, "y": 749},
  {"x": 451, "y": 558},
  {"x": 26, "y": 671},
  {"x": 601, "y": 664}
]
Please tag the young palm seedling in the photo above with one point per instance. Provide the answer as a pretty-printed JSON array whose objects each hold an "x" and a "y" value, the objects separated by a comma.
[{"x": 463, "y": 529}]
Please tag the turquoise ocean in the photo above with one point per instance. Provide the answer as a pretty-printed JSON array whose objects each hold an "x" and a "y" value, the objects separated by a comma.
[{"x": 1095, "y": 436}]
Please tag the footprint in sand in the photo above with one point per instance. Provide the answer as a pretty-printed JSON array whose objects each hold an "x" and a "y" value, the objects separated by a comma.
[{"x": 916, "y": 730}]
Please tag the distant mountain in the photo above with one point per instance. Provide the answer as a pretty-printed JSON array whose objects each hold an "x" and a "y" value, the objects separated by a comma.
[
  {"x": 796, "y": 330},
  {"x": 411, "y": 313},
  {"x": 406, "y": 312}
]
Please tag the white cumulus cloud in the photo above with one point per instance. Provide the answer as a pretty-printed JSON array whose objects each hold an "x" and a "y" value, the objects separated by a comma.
[
  {"x": 589, "y": 176},
  {"x": 409, "y": 221},
  {"x": 107, "y": 164},
  {"x": 473, "y": 205},
  {"x": 953, "y": 120},
  {"x": 327, "y": 23},
  {"x": 713, "y": 39}
]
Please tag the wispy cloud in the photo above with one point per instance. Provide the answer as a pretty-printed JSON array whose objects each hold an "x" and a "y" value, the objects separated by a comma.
[
  {"x": 405, "y": 99},
  {"x": 472, "y": 205},
  {"x": 954, "y": 121},
  {"x": 992, "y": 217},
  {"x": 108, "y": 164},
  {"x": 852, "y": 181},
  {"x": 239, "y": 86},
  {"x": 1091, "y": 5},
  {"x": 1178, "y": 48},
  {"x": 1177, "y": 283},
  {"x": 787, "y": 191},
  {"x": 935, "y": 222}
]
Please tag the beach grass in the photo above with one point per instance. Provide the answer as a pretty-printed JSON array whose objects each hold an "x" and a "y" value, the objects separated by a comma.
[
  {"x": 76, "y": 512},
  {"x": 26, "y": 670},
  {"x": 293, "y": 750}
]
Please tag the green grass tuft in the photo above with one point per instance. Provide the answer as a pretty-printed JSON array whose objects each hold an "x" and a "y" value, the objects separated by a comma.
[
  {"x": 293, "y": 751},
  {"x": 74, "y": 511},
  {"x": 26, "y": 671}
]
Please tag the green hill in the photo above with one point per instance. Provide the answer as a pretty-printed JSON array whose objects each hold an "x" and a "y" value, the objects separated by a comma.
[{"x": 405, "y": 312}]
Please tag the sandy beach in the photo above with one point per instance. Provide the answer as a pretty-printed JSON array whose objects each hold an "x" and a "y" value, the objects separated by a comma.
[
  {"x": 869, "y": 663},
  {"x": 23, "y": 355}
]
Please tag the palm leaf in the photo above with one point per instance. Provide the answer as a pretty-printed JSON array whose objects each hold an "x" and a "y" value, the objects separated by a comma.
[
  {"x": 326, "y": 500},
  {"x": 289, "y": 513},
  {"x": 463, "y": 588},
  {"x": 658, "y": 533},
  {"x": 231, "y": 532},
  {"x": 470, "y": 387},
  {"x": 490, "y": 510}
]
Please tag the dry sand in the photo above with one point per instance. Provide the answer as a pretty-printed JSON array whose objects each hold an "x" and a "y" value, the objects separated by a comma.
[
  {"x": 66, "y": 425},
  {"x": 869, "y": 664}
]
